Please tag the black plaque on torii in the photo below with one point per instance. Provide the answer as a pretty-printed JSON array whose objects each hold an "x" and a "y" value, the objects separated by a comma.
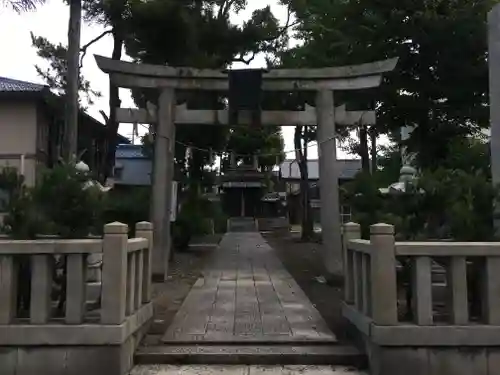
[{"x": 245, "y": 93}]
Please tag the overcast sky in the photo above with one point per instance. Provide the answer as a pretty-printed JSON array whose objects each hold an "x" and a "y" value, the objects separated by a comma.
[{"x": 18, "y": 57}]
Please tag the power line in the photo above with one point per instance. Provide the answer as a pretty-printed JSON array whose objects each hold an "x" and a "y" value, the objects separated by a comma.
[{"x": 254, "y": 154}]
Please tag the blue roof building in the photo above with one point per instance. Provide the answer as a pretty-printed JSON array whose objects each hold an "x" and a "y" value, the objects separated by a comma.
[{"x": 132, "y": 167}]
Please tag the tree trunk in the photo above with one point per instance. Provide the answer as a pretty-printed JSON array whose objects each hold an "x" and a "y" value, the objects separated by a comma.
[
  {"x": 196, "y": 165},
  {"x": 70, "y": 144},
  {"x": 301, "y": 155},
  {"x": 373, "y": 142},
  {"x": 114, "y": 102},
  {"x": 363, "y": 149}
]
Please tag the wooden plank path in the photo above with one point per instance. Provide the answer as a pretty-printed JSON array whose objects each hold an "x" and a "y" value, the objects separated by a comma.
[{"x": 247, "y": 296}]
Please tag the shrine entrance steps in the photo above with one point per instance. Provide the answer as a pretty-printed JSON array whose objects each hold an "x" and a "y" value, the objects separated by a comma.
[
  {"x": 248, "y": 310},
  {"x": 242, "y": 224}
]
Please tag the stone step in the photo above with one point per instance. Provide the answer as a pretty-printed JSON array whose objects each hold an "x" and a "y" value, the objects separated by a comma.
[
  {"x": 255, "y": 340},
  {"x": 242, "y": 224},
  {"x": 243, "y": 370},
  {"x": 242, "y": 228},
  {"x": 341, "y": 355}
]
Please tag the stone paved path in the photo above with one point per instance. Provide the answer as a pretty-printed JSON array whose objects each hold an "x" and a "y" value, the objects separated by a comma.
[
  {"x": 242, "y": 370},
  {"x": 247, "y": 295}
]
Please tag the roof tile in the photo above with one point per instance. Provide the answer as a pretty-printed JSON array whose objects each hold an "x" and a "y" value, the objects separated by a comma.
[
  {"x": 14, "y": 85},
  {"x": 127, "y": 151}
]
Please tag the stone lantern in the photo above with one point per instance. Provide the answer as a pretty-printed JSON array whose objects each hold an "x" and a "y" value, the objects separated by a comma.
[
  {"x": 407, "y": 173},
  {"x": 84, "y": 169},
  {"x": 94, "y": 261}
]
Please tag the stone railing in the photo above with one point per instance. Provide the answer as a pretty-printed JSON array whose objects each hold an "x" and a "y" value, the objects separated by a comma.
[
  {"x": 445, "y": 333},
  {"x": 79, "y": 340}
]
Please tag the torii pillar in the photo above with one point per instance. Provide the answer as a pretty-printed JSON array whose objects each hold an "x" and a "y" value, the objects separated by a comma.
[
  {"x": 163, "y": 176},
  {"x": 328, "y": 171},
  {"x": 494, "y": 86}
]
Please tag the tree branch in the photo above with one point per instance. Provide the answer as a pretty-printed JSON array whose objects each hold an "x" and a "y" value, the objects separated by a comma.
[
  {"x": 246, "y": 61},
  {"x": 225, "y": 8},
  {"x": 105, "y": 117},
  {"x": 285, "y": 28},
  {"x": 282, "y": 30},
  {"x": 23, "y": 5},
  {"x": 95, "y": 40}
]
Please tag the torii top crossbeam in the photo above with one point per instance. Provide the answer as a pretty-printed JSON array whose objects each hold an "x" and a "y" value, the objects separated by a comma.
[{"x": 127, "y": 74}]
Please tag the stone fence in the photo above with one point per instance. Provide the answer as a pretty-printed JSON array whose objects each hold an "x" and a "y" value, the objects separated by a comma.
[
  {"x": 81, "y": 340},
  {"x": 440, "y": 333}
]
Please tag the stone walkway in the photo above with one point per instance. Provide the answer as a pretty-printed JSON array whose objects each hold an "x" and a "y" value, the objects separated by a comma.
[
  {"x": 243, "y": 370},
  {"x": 246, "y": 295}
]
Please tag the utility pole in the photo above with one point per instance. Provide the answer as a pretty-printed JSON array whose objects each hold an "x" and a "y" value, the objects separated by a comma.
[{"x": 70, "y": 146}]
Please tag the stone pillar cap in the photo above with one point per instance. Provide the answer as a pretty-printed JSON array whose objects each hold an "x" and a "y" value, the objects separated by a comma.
[
  {"x": 116, "y": 228},
  {"x": 382, "y": 228}
]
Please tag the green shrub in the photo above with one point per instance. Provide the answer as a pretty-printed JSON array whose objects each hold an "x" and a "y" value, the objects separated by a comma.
[
  {"x": 444, "y": 203},
  {"x": 195, "y": 219},
  {"x": 181, "y": 232},
  {"x": 70, "y": 208},
  {"x": 127, "y": 206},
  {"x": 193, "y": 215},
  {"x": 21, "y": 221},
  {"x": 62, "y": 203},
  {"x": 219, "y": 218}
]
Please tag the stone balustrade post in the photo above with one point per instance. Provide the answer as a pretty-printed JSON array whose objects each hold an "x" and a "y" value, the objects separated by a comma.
[
  {"x": 114, "y": 273},
  {"x": 350, "y": 231},
  {"x": 383, "y": 274},
  {"x": 144, "y": 229},
  {"x": 8, "y": 289}
]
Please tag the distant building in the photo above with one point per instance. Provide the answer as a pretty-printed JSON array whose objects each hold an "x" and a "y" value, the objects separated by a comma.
[
  {"x": 132, "y": 167},
  {"x": 289, "y": 169},
  {"x": 290, "y": 182},
  {"x": 31, "y": 129}
]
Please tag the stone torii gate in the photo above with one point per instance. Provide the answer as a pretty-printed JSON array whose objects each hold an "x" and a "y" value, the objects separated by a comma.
[{"x": 325, "y": 115}]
